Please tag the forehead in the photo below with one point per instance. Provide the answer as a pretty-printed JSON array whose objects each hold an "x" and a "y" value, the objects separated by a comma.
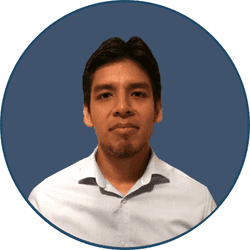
[{"x": 121, "y": 72}]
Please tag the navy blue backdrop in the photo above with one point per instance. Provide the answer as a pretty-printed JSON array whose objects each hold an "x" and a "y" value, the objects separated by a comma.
[{"x": 204, "y": 131}]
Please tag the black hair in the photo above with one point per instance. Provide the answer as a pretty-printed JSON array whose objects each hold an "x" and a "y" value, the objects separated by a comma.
[{"x": 115, "y": 49}]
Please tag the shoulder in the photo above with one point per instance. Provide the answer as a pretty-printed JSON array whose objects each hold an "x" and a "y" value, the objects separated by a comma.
[
  {"x": 191, "y": 192},
  {"x": 180, "y": 181},
  {"x": 60, "y": 181}
]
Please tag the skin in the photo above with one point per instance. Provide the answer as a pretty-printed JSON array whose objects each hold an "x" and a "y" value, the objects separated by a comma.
[{"x": 123, "y": 113}]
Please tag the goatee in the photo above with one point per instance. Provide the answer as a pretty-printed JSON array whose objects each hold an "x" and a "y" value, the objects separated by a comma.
[{"x": 126, "y": 150}]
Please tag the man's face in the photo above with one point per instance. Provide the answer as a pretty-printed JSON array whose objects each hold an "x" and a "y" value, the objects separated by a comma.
[{"x": 122, "y": 108}]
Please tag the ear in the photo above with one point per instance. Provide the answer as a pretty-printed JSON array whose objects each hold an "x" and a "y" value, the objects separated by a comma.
[
  {"x": 87, "y": 118},
  {"x": 158, "y": 112}
]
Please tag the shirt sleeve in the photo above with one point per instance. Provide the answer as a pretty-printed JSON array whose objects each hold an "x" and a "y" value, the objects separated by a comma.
[
  {"x": 210, "y": 205},
  {"x": 39, "y": 200},
  {"x": 33, "y": 199}
]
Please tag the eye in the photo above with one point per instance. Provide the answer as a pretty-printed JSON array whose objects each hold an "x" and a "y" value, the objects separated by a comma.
[
  {"x": 104, "y": 96},
  {"x": 138, "y": 94}
]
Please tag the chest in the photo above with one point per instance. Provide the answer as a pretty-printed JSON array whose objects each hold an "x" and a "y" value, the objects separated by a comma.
[{"x": 136, "y": 220}]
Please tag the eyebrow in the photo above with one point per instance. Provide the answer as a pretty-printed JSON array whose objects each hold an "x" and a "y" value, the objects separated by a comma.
[{"x": 131, "y": 86}]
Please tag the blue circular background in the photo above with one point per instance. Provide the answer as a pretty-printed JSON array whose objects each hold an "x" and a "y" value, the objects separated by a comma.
[{"x": 204, "y": 131}]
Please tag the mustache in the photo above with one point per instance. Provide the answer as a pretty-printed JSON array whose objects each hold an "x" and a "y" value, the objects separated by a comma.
[{"x": 123, "y": 125}]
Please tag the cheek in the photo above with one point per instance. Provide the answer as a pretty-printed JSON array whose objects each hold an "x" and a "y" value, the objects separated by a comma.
[
  {"x": 147, "y": 114},
  {"x": 147, "y": 119},
  {"x": 100, "y": 110},
  {"x": 99, "y": 117}
]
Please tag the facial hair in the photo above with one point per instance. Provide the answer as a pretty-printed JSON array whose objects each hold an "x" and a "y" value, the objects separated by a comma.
[{"x": 125, "y": 150}]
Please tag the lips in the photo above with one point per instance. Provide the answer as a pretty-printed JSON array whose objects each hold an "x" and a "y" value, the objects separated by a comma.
[{"x": 123, "y": 125}]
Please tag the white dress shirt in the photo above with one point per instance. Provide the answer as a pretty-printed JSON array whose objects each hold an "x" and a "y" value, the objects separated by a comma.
[{"x": 162, "y": 204}]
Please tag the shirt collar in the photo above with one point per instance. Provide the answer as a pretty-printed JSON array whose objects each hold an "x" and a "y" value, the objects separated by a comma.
[
  {"x": 90, "y": 169},
  {"x": 155, "y": 167}
]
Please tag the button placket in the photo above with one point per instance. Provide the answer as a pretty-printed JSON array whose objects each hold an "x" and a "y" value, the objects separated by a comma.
[{"x": 124, "y": 223}]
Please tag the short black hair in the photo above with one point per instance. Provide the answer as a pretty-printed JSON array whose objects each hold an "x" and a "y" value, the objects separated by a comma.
[{"x": 115, "y": 49}]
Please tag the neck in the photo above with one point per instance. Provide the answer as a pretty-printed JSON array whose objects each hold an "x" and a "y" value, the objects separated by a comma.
[{"x": 123, "y": 171}]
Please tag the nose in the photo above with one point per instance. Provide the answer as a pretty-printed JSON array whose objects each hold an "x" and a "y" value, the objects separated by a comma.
[{"x": 123, "y": 107}]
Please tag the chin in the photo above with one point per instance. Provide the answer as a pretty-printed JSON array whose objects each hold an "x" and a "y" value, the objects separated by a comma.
[{"x": 123, "y": 150}]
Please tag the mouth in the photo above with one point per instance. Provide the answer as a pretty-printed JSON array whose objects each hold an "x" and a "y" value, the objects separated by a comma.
[{"x": 124, "y": 126}]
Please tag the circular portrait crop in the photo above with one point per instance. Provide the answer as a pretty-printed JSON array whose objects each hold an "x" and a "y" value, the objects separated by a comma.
[{"x": 133, "y": 127}]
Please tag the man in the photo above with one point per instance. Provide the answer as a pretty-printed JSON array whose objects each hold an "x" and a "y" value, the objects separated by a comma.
[{"x": 122, "y": 195}]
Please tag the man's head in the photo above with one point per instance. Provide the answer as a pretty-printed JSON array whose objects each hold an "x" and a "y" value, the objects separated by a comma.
[
  {"x": 115, "y": 49},
  {"x": 122, "y": 93}
]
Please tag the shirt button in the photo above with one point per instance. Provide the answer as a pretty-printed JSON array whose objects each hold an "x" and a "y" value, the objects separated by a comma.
[
  {"x": 124, "y": 201},
  {"x": 123, "y": 243}
]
